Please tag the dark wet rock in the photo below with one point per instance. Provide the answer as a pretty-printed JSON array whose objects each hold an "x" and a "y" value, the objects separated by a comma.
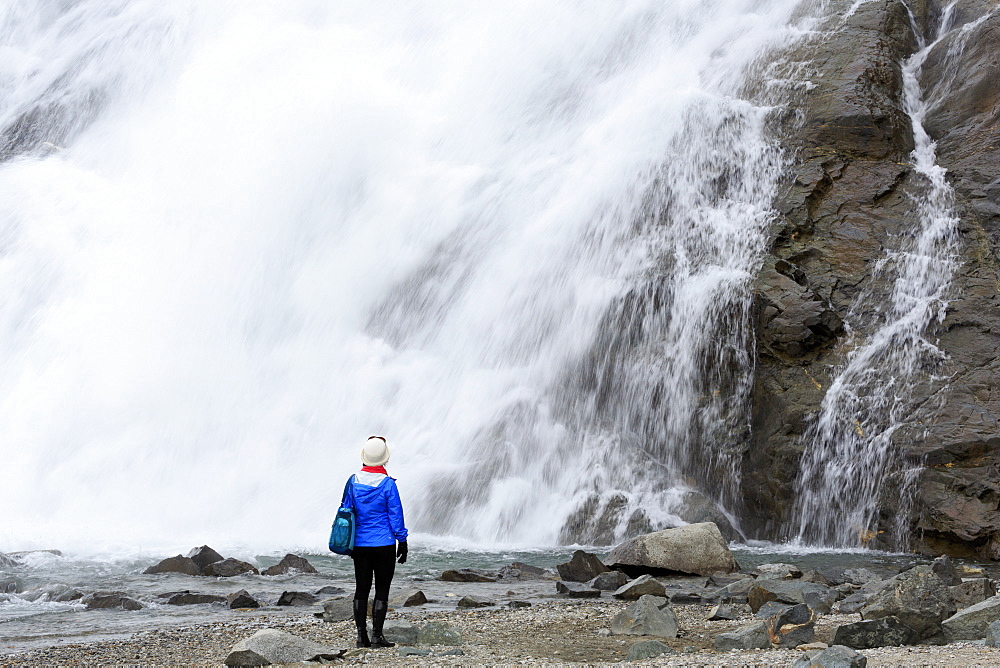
[
  {"x": 882, "y": 632},
  {"x": 945, "y": 569},
  {"x": 518, "y": 604},
  {"x": 818, "y": 597},
  {"x": 751, "y": 636},
  {"x": 337, "y": 610},
  {"x": 777, "y": 571},
  {"x": 296, "y": 598},
  {"x": 270, "y": 646},
  {"x": 439, "y": 633},
  {"x": 521, "y": 572},
  {"x": 582, "y": 567},
  {"x": 917, "y": 597},
  {"x": 475, "y": 602},
  {"x": 685, "y": 596},
  {"x": 242, "y": 599},
  {"x": 727, "y": 612},
  {"x": 696, "y": 548},
  {"x": 469, "y": 575},
  {"x": 609, "y": 581},
  {"x": 178, "y": 564},
  {"x": 330, "y": 590},
  {"x": 577, "y": 590},
  {"x": 641, "y": 586},
  {"x": 107, "y": 600},
  {"x": 648, "y": 649},
  {"x": 190, "y": 598},
  {"x": 971, "y": 592},
  {"x": 400, "y": 632},
  {"x": 203, "y": 556},
  {"x": 228, "y": 568},
  {"x": 836, "y": 656},
  {"x": 290, "y": 563},
  {"x": 645, "y": 618},
  {"x": 407, "y": 598},
  {"x": 972, "y": 622}
]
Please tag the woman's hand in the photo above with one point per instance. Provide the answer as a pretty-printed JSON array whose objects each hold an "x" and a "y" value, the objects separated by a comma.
[{"x": 401, "y": 551}]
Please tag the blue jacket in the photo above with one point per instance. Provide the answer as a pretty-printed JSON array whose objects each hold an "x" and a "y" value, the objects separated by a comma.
[{"x": 378, "y": 510}]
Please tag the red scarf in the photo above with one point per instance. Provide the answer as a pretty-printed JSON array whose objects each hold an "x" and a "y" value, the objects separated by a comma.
[{"x": 374, "y": 469}]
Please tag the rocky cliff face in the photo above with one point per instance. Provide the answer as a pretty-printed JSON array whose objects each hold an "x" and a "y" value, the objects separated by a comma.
[{"x": 849, "y": 199}]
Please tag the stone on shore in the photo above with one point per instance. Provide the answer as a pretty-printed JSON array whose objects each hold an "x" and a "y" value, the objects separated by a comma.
[
  {"x": 228, "y": 568},
  {"x": 270, "y": 646},
  {"x": 698, "y": 549},
  {"x": 971, "y": 592},
  {"x": 577, "y": 590},
  {"x": 582, "y": 567},
  {"x": 917, "y": 597},
  {"x": 993, "y": 634},
  {"x": 868, "y": 634},
  {"x": 726, "y": 612},
  {"x": 734, "y": 592},
  {"x": 475, "y": 602},
  {"x": 439, "y": 633},
  {"x": 178, "y": 564},
  {"x": 751, "y": 636},
  {"x": 831, "y": 577},
  {"x": 648, "y": 649},
  {"x": 972, "y": 622},
  {"x": 777, "y": 571},
  {"x": 792, "y": 635},
  {"x": 836, "y": 656},
  {"x": 646, "y": 618},
  {"x": 296, "y": 598},
  {"x": 290, "y": 563},
  {"x": 853, "y": 603},
  {"x": 107, "y": 600},
  {"x": 469, "y": 575},
  {"x": 641, "y": 586},
  {"x": 203, "y": 556},
  {"x": 818, "y": 597},
  {"x": 400, "y": 632},
  {"x": 521, "y": 572},
  {"x": 407, "y": 598},
  {"x": 189, "y": 598},
  {"x": 337, "y": 610},
  {"x": 330, "y": 590},
  {"x": 609, "y": 581},
  {"x": 241, "y": 600}
]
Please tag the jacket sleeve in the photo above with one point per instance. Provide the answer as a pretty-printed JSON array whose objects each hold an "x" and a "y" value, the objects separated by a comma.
[
  {"x": 396, "y": 523},
  {"x": 347, "y": 501}
]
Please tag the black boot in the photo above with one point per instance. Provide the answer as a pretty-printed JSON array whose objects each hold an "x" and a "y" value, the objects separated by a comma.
[
  {"x": 361, "y": 621},
  {"x": 378, "y": 620}
]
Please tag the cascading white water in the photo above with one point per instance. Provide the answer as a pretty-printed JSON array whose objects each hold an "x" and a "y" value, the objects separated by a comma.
[
  {"x": 238, "y": 238},
  {"x": 849, "y": 452}
]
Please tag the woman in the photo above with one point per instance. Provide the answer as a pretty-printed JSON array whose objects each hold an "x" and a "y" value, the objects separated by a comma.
[{"x": 379, "y": 525}]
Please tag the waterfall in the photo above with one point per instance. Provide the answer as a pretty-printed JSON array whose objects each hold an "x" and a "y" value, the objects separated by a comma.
[
  {"x": 850, "y": 455},
  {"x": 238, "y": 238}
]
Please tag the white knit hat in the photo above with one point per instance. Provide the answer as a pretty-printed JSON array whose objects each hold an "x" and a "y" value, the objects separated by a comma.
[{"x": 375, "y": 452}]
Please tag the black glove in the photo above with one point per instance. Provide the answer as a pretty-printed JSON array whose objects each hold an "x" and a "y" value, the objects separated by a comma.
[{"x": 401, "y": 550}]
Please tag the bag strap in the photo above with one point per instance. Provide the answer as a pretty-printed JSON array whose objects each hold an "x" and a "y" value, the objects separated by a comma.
[{"x": 348, "y": 487}]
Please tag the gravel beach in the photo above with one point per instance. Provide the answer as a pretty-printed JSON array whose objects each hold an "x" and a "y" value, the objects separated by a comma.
[{"x": 556, "y": 631}]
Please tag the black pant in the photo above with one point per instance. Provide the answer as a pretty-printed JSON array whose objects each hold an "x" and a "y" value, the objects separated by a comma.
[{"x": 377, "y": 561}]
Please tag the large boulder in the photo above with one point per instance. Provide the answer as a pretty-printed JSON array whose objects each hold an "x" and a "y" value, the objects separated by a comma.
[
  {"x": 178, "y": 564},
  {"x": 228, "y": 568},
  {"x": 270, "y": 646},
  {"x": 582, "y": 567},
  {"x": 645, "y": 618},
  {"x": 291, "y": 563},
  {"x": 972, "y": 622},
  {"x": 699, "y": 549},
  {"x": 882, "y": 632},
  {"x": 917, "y": 597},
  {"x": 203, "y": 556}
]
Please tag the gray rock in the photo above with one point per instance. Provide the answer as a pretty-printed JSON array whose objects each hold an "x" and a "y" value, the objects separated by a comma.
[
  {"x": 296, "y": 598},
  {"x": 852, "y": 603},
  {"x": 203, "y": 556},
  {"x": 837, "y": 656},
  {"x": 861, "y": 576},
  {"x": 882, "y": 632},
  {"x": 228, "y": 568},
  {"x": 799, "y": 613},
  {"x": 270, "y": 646},
  {"x": 647, "y": 649},
  {"x": 777, "y": 571},
  {"x": 645, "y": 618},
  {"x": 609, "y": 581},
  {"x": 831, "y": 577},
  {"x": 641, "y": 586},
  {"x": 439, "y": 633},
  {"x": 241, "y": 599},
  {"x": 412, "y": 651},
  {"x": 945, "y": 570},
  {"x": 972, "y": 622},
  {"x": 818, "y": 597},
  {"x": 793, "y": 635},
  {"x": 337, "y": 610},
  {"x": 521, "y": 572},
  {"x": 518, "y": 604},
  {"x": 475, "y": 602},
  {"x": 917, "y": 597},
  {"x": 696, "y": 548},
  {"x": 400, "y": 632},
  {"x": 752, "y": 636},
  {"x": 7, "y": 561},
  {"x": 107, "y": 600},
  {"x": 407, "y": 598},
  {"x": 772, "y": 608},
  {"x": 290, "y": 563},
  {"x": 726, "y": 612},
  {"x": 469, "y": 575},
  {"x": 735, "y": 592},
  {"x": 177, "y": 564},
  {"x": 582, "y": 567},
  {"x": 971, "y": 592},
  {"x": 577, "y": 590},
  {"x": 993, "y": 634},
  {"x": 330, "y": 590},
  {"x": 188, "y": 598}
]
